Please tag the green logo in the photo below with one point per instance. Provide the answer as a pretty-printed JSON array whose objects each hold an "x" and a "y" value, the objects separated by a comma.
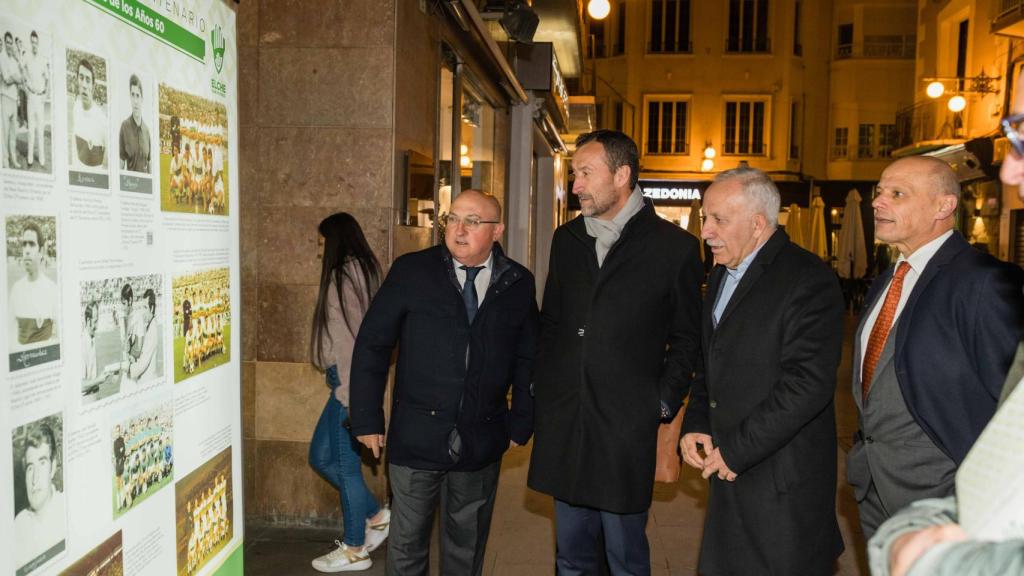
[{"x": 218, "y": 44}]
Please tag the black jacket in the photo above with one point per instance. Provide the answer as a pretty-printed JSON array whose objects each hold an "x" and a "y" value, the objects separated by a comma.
[
  {"x": 419, "y": 307},
  {"x": 765, "y": 395},
  {"x": 616, "y": 342}
]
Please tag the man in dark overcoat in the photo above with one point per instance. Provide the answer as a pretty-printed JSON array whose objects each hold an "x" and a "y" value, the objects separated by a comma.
[
  {"x": 619, "y": 344},
  {"x": 464, "y": 317},
  {"x": 760, "y": 423}
]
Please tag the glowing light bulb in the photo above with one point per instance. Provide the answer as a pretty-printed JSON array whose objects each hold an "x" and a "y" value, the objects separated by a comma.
[
  {"x": 935, "y": 89},
  {"x": 707, "y": 165},
  {"x": 463, "y": 150},
  {"x": 957, "y": 103},
  {"x": 465, "y": 162},
  {"x": 709, "y": 152},
  {"x": 599, "y": 9}
]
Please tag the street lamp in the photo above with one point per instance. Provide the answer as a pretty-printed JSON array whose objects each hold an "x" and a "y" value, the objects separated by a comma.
[
  {"x": 935, "y": 89},
  {"x": 957, "y": 103},
  {"x": 599, "y": 9},
  {"x": 980, "y": 84}
]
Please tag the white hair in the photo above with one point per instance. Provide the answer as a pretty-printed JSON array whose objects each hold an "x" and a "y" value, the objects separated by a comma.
[{"x": 762, "y": 195}]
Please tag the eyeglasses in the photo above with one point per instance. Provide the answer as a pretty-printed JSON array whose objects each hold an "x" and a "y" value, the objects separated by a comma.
[
  {"x": 470, "y": 223},
  {"x": 1012, "y": 129}
]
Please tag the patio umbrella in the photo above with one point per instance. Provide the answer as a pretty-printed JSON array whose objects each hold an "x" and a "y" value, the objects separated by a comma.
[
  {"x": 852, "y": 252},
  {"x": 693, "y": 225},
  {"x": 816, "y": 228},
  {"x": 795, "y": 226}
]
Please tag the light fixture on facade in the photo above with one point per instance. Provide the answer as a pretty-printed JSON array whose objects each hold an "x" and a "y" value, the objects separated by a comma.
[
  {"x": 707, "y": 165},
  {"x": 463, "y": 150},
  {"x": 465, "y": 162},
  {"x": 957, "y": 103},
  {"x": 599, "y": 9},
  {"x": 935, "y": 89},
  {"x": 709, "y": 151}
]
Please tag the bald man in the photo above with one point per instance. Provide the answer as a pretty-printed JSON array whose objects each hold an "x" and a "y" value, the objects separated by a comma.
[{"x": 937, "y": 334}]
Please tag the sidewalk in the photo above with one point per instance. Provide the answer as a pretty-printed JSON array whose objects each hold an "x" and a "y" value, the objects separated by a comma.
[{"x": 522, "y": 534}]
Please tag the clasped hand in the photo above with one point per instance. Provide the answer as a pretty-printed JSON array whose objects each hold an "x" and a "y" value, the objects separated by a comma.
[{"x": 711, "y": 462}]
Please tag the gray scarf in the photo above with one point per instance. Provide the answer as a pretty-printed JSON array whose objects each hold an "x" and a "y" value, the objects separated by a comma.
[{"x": 607, "y": 232}]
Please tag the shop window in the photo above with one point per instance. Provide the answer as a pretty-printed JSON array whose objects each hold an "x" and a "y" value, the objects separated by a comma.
[
  {"x": 840, "y": 143},
  {"x": 745, "y": 127},
  {"x": 748, "y": 26},
  {"x": 866, "y": 141},
  {"x": 665, "y": 125},
  {"x": 670, "y": 27}
]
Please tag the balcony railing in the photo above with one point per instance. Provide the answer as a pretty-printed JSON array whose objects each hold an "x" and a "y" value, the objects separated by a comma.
[
  {"x": 1008, "y": 18},
  {"x": 737, "y": 45},
  {"x": 1007, "y": 7},
  {"x": 894, "y": 46},
  {"x": 927, "y": 120}
]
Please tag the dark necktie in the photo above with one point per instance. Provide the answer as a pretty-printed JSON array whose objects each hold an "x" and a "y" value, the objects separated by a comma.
[
  {"x": 880, "y": 331},
  {"x": 469, "y": 291}
]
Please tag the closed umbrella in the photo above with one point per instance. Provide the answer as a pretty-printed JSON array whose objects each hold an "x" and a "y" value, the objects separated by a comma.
[
  {"x": 816, "y": 227},
  {"x": 852, "y": 251},
  {"x": 795, "y": 226},
  {"x": 693, "y": 225}
]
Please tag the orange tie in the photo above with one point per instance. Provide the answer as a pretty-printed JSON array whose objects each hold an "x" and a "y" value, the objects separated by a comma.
[{"x": 880, "y": 331}]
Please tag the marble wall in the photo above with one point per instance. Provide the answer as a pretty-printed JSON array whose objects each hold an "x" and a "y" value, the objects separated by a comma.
[{"x": 316, "y": 107}]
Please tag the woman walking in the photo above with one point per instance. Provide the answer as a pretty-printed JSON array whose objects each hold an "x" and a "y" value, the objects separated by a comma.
[{"x": 348, "y": 279}]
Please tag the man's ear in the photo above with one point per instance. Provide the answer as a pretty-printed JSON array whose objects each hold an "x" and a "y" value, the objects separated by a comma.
[
  {"x": 947, "y": 206},
  {"x": 621, "y": 178},
  {"x": 499, "y": 229}
]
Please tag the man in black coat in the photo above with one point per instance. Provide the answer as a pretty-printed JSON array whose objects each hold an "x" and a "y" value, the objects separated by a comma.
[
  {"x": 619, "y": 344},
  {"x": 465, "y": 319},
  {"x": 760, "y": 423}
]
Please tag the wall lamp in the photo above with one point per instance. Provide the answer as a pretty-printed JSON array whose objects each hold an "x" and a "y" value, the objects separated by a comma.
[
  {"x": 980, "y": 84},
  {"x": 599, "y": 9}
]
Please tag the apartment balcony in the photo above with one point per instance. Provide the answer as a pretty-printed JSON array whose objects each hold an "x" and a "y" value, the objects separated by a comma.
[
  {"x": 889, "y": 46},
  {"x": 1009, "y": 18}
]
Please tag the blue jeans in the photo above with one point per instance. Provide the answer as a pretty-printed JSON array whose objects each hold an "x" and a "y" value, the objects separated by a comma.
[{"x": 334, "y": 453}]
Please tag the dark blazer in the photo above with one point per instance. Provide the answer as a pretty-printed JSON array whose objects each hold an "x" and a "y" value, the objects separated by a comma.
[
  {"x": 765, "y": 395},
  {"x": 616, "y": 342},
  {"x": 438, "y": 388},
  {"x": 955, "y": 339}
]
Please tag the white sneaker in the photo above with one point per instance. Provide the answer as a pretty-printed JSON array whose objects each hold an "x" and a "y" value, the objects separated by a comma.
[
  {"x": 343, "y": 559},
  {"x": 377, "y": 533}
]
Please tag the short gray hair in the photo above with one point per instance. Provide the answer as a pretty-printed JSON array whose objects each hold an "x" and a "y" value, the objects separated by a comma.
[{"x": 762, "y": 195}]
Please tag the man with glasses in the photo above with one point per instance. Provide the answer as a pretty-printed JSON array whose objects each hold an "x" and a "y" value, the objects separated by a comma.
[
  {"x": 936, "y": 337},
  {"x": 464, "y": 318}
]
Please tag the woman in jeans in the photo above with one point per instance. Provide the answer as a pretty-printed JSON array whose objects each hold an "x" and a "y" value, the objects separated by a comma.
[{"x": 348, "y": 279}]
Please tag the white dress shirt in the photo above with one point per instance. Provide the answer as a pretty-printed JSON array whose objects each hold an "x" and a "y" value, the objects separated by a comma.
[
  {"x": 918, "y": 260},
  {"x": 483, "y": 278}
]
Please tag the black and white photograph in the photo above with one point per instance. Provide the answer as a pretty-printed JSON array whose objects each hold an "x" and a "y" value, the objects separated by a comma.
[
  {"x": 26, "y": 98},
  {"x": 88, "y": 118},
  {"x": 122, "y": 335},
  {"x": 142, "y": 454},
  {"x": 40, "y": 522},
  {"x": 32, "y": 290},
  {"x": 135, "y": 142}
]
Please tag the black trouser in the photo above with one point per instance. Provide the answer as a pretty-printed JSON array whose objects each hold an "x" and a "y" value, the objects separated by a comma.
[{"x": 467, "y": 502}]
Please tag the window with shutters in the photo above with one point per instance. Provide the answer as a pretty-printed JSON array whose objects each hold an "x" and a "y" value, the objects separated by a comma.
[{"x": 666, "y": 119}]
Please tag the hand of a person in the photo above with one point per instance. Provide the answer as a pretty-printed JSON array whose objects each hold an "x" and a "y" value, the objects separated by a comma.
[
  {"x": 715, "y": 464},
  {"x": 372, "y": 441},
  {"x": 691, "y": 453},
  {"x": 909, "y": 547}
]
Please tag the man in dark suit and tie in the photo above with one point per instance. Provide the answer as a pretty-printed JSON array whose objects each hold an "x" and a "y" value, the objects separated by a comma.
[
  {"x": 936, "y": 337},
  {"x": 465, "y": 319},
  {"x": 760, "y": 423}
]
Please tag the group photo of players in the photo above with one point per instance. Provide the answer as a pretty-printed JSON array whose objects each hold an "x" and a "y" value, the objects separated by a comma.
[
  {"x": 143, "y": 456},
  {"x": 106, "y": 559},
  {"x": 193, "y": 153},
  {"x": 122, "y": 335},
  {"x": 202, "y": 322},
  {"x": 204, "y": 504}
]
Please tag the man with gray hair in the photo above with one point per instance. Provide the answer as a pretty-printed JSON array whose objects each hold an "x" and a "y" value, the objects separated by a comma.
[
  {"x": 937, "y": 335},
  {"x": 760, "y": 423}
]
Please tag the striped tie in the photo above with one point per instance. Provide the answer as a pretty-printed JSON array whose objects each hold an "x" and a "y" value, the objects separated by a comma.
[{"x": 880, "y": 331}]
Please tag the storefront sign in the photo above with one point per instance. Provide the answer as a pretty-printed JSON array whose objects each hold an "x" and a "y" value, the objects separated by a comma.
[{"x": 683, "y": 191}]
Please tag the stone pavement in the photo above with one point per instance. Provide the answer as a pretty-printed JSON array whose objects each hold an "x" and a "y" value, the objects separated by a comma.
[{"x": 522, "y": 533}]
